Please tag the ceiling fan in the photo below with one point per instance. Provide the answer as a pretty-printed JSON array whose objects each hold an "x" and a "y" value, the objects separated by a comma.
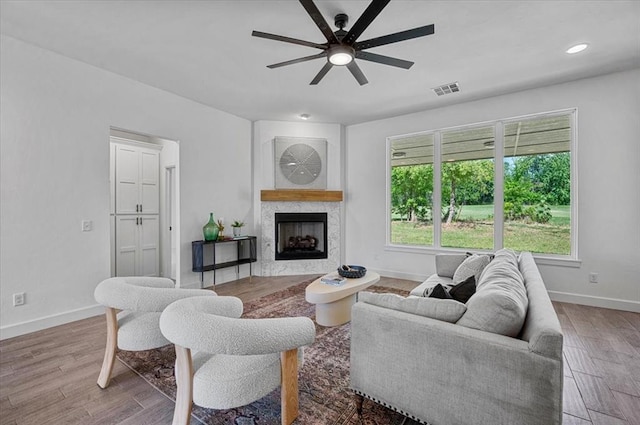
[{"x": 342, "y": 48}]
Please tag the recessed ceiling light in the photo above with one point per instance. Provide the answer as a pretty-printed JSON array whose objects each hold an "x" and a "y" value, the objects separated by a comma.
[
  {"x": 305, "y": 116},
  {"x": 577, "y": 48}
]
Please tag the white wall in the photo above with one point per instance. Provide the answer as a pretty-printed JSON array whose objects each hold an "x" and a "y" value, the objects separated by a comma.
[
  {"x": 54, "y": 172},
  {"x": 264, "y": 133},
  {"x": 608, "y": 157}
]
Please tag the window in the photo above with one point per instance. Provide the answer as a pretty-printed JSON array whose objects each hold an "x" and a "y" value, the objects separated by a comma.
[
  {"x": 411, "y": 190},
  {"x": 537, "y": 184},
  {"x": 500, "y": 184},
  {"x": 467, "y": 188}
]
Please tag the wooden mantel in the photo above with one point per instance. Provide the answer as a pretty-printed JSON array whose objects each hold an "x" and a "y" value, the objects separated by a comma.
[{"x": 301, "y": 195}]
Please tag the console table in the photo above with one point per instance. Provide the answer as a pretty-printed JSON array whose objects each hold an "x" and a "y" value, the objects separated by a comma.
[{"x": 200, "y": 264}]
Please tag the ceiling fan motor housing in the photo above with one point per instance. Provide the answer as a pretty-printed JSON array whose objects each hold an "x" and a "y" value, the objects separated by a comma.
[{"x": 341, "y": 20}]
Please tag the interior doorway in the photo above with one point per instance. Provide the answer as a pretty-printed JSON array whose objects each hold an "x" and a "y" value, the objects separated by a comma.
[{"x": 142, "y": 250}]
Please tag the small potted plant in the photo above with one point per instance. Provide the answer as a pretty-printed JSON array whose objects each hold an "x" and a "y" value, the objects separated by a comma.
[
  {"x": 237, "y": 228},
  {"x": 220, "y": 225}
]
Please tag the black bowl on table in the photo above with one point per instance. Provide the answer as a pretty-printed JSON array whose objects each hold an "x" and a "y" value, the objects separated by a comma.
[{"x": 352, "y": 272}]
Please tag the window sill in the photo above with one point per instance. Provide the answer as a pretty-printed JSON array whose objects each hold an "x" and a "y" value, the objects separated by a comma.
[
  {"x": 540, "y": 259},
  {"x": 557, "y": 261}
]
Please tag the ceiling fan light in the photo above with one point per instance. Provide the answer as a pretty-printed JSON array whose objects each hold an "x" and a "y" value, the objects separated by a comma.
[{"x": 341, "y": 55}]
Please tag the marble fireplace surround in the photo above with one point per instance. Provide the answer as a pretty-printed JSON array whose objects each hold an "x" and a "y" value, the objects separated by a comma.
[{"x": 299, "y": 201}]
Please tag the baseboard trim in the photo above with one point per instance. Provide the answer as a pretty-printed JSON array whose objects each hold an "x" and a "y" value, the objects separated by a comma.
[
  {"x": 401, "y": 275},
  {"x": 29, "y": 326},
  {"x": 613, "y": 303},
  {"x": 192, "y": 285}
]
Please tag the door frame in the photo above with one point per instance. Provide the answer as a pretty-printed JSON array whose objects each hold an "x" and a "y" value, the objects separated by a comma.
[{"x": 170, "y": 251}]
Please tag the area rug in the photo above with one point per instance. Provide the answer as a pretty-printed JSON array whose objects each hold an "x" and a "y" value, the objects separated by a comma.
[{"x": 324, "y": 394}]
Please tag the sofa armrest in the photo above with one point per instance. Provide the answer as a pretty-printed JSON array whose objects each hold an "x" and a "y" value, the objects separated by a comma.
[
  {"x": 442, "y": 373},
  {"x": 446, "y": 264},
  {"x": 542, "y": 327}
]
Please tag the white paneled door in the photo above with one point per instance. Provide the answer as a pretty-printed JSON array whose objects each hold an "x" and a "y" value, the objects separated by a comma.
[
  {"x": 137, "y": 245},
  {"x": 137, "y": 180},
  {"x": 137, "y": 208}
]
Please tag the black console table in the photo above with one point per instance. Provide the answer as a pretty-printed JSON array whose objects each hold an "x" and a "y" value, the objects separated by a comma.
[{"x": 200, "y": 264}]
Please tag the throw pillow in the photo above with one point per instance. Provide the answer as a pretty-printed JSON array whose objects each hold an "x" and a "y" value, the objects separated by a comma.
[
  {"x": 445, "y": 310},
  {"x": 463, "y": 291},
  {"x": 440, "y": 292},
  {"x": 471, "y": 266}
]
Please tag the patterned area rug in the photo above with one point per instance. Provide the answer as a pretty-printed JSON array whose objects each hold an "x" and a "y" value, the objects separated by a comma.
[{"x": 324, "y": 394}]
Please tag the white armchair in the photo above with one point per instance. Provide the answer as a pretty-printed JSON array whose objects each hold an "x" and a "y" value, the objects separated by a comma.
[
  {"x": 135, "y": 328},
  {"x": 238, "y": 361}
]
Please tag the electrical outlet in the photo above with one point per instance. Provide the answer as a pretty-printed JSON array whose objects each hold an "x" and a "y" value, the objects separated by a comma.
[
  {"x": 593, "y": 277},
  {"x": 87, "y": 225},
  {"x": 18, "y": 299}
]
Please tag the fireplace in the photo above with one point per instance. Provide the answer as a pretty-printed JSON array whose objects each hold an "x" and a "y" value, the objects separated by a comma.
[
  {"x": 301, "y": 236},
  {"x": 268, "y": 264}
]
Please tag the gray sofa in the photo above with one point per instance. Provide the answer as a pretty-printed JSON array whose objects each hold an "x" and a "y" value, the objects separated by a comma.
[{"x": 442, "y": 362}]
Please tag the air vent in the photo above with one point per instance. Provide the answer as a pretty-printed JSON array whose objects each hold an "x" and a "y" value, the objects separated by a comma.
[{"x": 446, "y": 89}]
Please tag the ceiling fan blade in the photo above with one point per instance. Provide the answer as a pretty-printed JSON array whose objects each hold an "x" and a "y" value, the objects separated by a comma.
[
  {"x": 370, "y": 13},
  {"x": 317, "y": 17},
  {"x": 287, "y": 39},
  {"x": 395, "y": 37},
  {"x": 293, "y": 61},
  {"x": 357, "y": 73},
  {"x": 327, "y": 66},
  {"x": 385, "y": 60}
]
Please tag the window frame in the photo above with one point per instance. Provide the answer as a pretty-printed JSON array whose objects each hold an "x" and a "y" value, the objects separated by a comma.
[{"x": 571, "y": 260}]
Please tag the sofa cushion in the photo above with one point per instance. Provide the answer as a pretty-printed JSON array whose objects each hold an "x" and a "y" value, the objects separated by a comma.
[
  {"x": 463, "y": 291},
  {"x": 500, "y": 302},
  {"x": 473, "y": 265},
  {"x": 446, "y": 264},
  {"x": 445, "y": 310}
]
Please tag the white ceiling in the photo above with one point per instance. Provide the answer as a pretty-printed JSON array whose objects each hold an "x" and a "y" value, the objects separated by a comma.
[{"x": 203, "y": 50}]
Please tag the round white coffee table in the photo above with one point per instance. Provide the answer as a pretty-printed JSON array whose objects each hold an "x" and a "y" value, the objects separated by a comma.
[{"x": 333, "y": 303}]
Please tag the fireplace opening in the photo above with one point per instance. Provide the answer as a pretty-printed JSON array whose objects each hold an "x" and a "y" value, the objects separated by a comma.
[{"x": 301, "y": 236}]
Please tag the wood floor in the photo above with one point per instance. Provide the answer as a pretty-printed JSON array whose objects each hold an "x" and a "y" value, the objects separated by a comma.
[{"x": 49, "y": 377}]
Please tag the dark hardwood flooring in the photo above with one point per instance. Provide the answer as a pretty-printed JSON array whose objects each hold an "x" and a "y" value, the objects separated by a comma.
[{"x": 49, "y": 377}]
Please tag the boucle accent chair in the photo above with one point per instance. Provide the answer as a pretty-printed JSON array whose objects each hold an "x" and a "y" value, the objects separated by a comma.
[
  {"x": 223, "y": 361},
  {"x": 136, "y": 327}
]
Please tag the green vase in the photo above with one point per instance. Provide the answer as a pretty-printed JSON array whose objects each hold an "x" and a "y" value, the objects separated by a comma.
[{"x": 210, "y": 229}]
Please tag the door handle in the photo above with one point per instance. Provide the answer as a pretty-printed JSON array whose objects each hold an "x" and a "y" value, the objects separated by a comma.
[{"x": 137, "y": 208}]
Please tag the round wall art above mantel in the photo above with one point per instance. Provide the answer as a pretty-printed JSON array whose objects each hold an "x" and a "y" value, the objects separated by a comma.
[{"x": 300, "y": 163}]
